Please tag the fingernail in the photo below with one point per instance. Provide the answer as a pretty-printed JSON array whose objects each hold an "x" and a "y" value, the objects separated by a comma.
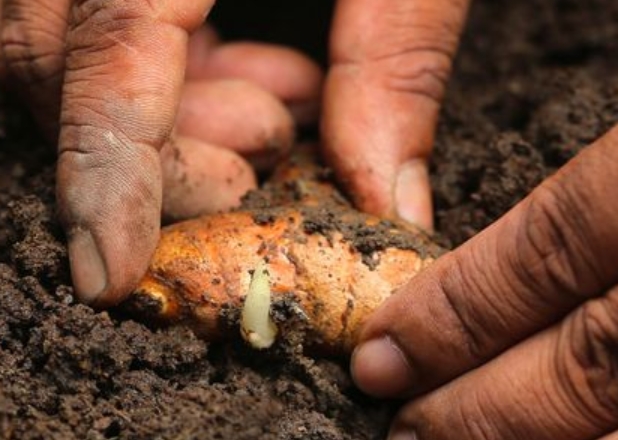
[
  {"x": 381, "y": 369},
  {"x": 413, "y": 194},
  {"x": 87, "y": 266},
  {"x": 399, "y": 434}
]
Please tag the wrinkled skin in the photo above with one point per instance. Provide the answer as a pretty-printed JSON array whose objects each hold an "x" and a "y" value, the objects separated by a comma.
[
  {"x": 511, "y": 336},
  {"x": 106, "y": 82},
  {"x": 514, "y": 335}
]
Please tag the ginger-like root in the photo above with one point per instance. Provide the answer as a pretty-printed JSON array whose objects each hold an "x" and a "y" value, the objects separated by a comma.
[{"x": 336, "y": 264}]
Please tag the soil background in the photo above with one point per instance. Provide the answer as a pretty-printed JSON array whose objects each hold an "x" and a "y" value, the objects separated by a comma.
[{"x": 536, "y": 80}]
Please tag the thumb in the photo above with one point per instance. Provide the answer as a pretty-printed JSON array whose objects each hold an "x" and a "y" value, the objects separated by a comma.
[
  {"x": 124, "y": 72},
  {"x": 551, "y": 253},
  {"x": 390, "y": 64}
]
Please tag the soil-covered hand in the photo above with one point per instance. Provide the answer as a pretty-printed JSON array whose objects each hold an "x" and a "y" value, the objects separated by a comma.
[
  {"x": 105, "y": 79},
  {"x": 390, "y": 61},
  {"x": 110, "y": 82},
  {"x": 514, "y": 335}
]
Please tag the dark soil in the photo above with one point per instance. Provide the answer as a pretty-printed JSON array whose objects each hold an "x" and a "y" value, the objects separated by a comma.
[
  {"x": 536, "y": 81},
  {"x": 334, "y": 214}
]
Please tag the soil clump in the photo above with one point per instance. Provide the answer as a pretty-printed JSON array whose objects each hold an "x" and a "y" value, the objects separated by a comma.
[{"x": 536, "y": 80}]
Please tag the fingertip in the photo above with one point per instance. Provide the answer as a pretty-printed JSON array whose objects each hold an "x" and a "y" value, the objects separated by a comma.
[
  {"x": 109, "y": 201},
  {"x": 104, "y": 274},
  {"x": 380, "y": 368},
  {"x": 402, "y": 192},
  {"x": 412, "y": 196},
  {"x": 88, "y": 268},
  {"x": 201, "y": 178},
  {"x": 377, "y": 184}
]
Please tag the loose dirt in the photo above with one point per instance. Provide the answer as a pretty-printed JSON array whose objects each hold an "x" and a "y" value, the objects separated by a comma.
[{"x": 535, "y": 82}]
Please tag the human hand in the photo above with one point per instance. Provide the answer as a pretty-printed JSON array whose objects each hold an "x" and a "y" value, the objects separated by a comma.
[
  {"x": 105, "y": 79},
  {"x": 113, "y": 73},
  {"x": 513, "y": 335},
  {"x": 390, "y": 62}
]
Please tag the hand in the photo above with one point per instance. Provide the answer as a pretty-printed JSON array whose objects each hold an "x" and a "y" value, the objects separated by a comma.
[
  {"x": 112, "y": 74},
  {"x": 105, "y": 79},
  {"x": 513, "y": 335},
  {"x": 390, "y": 64}
]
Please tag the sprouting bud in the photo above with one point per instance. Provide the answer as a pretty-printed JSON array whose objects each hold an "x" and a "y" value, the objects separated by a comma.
[{"x": 256, "y": 326}]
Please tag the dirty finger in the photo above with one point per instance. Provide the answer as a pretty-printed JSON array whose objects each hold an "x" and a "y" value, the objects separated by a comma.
[
  {"x": 200, "y": 178},
  {"x": 125, "y": 68},
  {"x": 505, "y": 399},
  {"x": 390, "y": 62},
  {"x": 238, "y": 115},
  {"x": 288, "y": 74},
  {"x": 552, "y": 252}
]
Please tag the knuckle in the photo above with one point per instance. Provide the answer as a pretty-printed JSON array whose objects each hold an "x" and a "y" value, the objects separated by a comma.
[
  {"x": 100, "y": 144},
  {"x": 106, "y": 11},
  {"x": 32, "y": 44},
  {"x": 401, "y": 53},
  {"x": 480, "y": 420},
  {"x": 87, "y": 148},
  {"x": 478, "y": 415},
  {"x": 84, "y": 114},
  {"x": 469, "y": 336},
  {"x": 419, "y": 72},
  {"x": 420, "y": 60},
  {"x": 100, "y": 169},
  {"x": 552, "y": 251},
  {"x": 120, "y": 14},
  {"x": 594, "y": 346},
  {"x": 108, "y": 114},
  {"x": 98, "y": 25}
]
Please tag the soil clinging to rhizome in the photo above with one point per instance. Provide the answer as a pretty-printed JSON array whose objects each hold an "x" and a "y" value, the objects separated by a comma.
[{"x": 535, "y": 82}]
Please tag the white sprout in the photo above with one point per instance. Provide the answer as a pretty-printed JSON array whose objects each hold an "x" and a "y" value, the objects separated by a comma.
[{"x": 256, "y": 325}]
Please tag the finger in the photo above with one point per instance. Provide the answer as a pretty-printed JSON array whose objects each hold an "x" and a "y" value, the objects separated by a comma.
[
  {"x": 200, "y": 178},
  {"x": 549, "y": 254},
  {"x": 201, "y": 44},
  {"x": 32, "y": 43},
  {"x": 561, "y": 384},
  {"x": 612, "y": 436},
  {"x": 124, "y": 71},
  {"x": 237, "y": 115},
  {"x": 389, "y": 65},
  {"x": 288, "y": 74}
]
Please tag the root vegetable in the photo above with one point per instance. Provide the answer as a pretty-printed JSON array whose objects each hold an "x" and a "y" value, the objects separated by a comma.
[{"x": 333, "y": 263}]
